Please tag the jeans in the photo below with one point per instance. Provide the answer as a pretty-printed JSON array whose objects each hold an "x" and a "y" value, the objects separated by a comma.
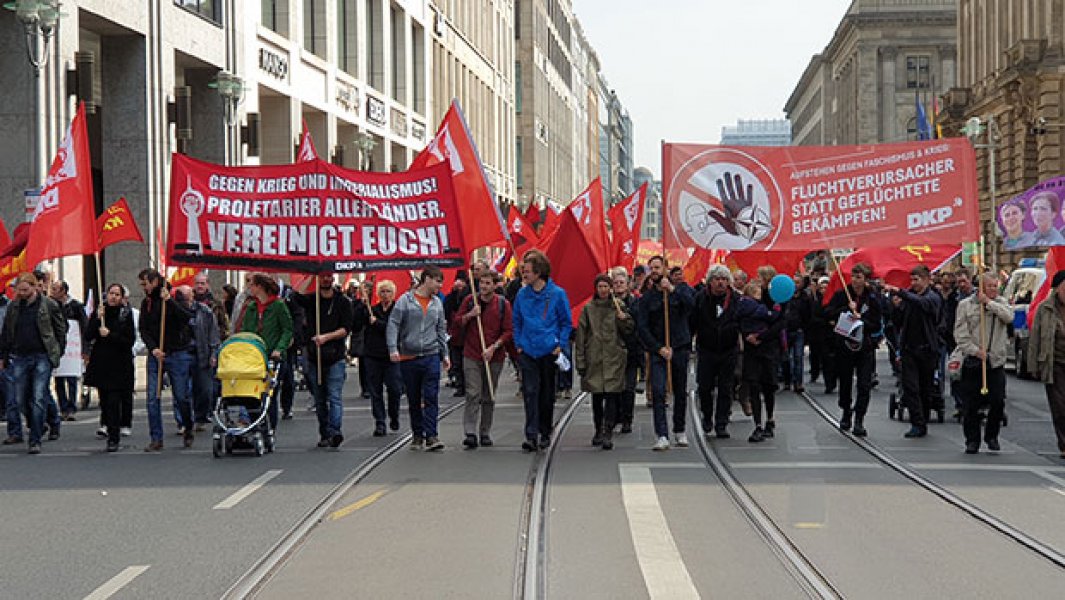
[
  {"x": 850, "y": 364},
  {"x": 11, "y": 407},
  {"x": 796, "y": 347},
  {"x": 679, "y": 366},
  {"x": 565, "y": 378},
  {"x": 66, "y": 391},
  {"x": 328, "y": 402},
  {"x": 202, "y": 392},
  {"x": 383, "y": 375},
  {"x": 715, "y": 371},
  {"x": 421, "y": 380},
  {"x": 480, "y": 404},
  {"x": 538, "y": 384},
  {"x": 178, "y": 366},
  {"x": 627, "y": 404},
  {"x": 969, "y": 388},
  {"x": 31, "y": 374}
]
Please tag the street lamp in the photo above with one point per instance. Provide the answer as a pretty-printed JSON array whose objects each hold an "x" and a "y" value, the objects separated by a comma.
[
  {"x": 365, "y": 142},
  {"x": 972, "y": 130},
  {"x": 230, "y": 87},
  {"x": 39, "y": 19}
]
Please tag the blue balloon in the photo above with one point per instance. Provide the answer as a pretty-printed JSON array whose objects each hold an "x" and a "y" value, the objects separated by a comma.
[{"x": 781, "y": 289}]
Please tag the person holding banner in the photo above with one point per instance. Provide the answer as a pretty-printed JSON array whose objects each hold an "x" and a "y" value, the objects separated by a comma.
[
  {"x": 917, "y": 314},
  {"x": 417, "y": 340},
  {"x": 381, "y": 373},
  {"x": 542, "y": 327},
  {"x": 487, "y": 326},
  {"x": 856, "y": 355},
  {"x": 599, "y": 355},
  {"x": 31, "y": 345},
  {"x": 174, "y": 357},
  {"x": 110, "y": 335},
  {"x": 1046, "y": 353},
  {"x": 662, "y": 322},
  {"x": 982, "y": 339}
]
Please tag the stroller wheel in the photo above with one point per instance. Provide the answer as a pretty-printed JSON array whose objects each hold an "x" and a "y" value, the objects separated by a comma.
[
  {"x": 228, "y": 445},
  {"x": 940, "y": 417},
  {"x": 260, "y": 447},
  {"x": 216, "y": 448},
  {"x": 269, "y": 444},
  {"x": 892, "y": 406}
]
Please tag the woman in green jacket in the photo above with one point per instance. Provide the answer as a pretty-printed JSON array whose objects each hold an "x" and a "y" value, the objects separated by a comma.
[
  {"x": 1046, "y": 353},
  {"x": 266, "y": 315},
  {"x": 600, "y": 355}
]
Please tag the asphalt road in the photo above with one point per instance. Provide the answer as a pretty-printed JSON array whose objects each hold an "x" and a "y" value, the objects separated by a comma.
[{"x": 629, "y": 523}]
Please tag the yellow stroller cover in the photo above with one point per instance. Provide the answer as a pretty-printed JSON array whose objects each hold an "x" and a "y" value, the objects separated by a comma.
[{"x": 242, "y": 366}]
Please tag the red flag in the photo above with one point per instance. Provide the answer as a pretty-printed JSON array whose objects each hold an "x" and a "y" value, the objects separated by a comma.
[
  {"x": 183, "y": 276},
  {"x": 521, "y": 232},
  {"x": 532, "y": 214},
  {"x": 626, "y": 219},
  {"x": 893, "y": 265},
  {"x": 63, "y": 224},
  {"x": 10, "y": 266},
  {"x": 116, "y": 224},
  {"x": 587, "y": 210},
  {"x": 699, "y": 263},
  {"x": 476, "y": 198},
  {"x": 550, "y": 223},
  {"x": 307, "y": 152},
  {"x": 786, "y": 262},
  {"x": 574, "y": 263},
  {"x": 1055, "y": 262}
]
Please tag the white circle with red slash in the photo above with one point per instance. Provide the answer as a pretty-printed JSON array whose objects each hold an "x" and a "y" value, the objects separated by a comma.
[{"x": 698, "y": 212}]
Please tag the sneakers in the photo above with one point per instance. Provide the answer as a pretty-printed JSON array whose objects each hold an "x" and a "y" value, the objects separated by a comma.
[
  {"x": 336, "y": 440},
  {"x": 125, "y": 431},
  {"x": 69, "y": 417},
  {"x": 470, "y": 441},
  {"x": 286, "y": 416},
  {"x": 770, "y": 428},
  {"x": 34, "y": 449},
  {"x": 112, "y": 447},
  {"x": 486, "y": 440},
  {"x": 417, "y": 443},
  {"x": 155, "y": 446},
  {"x": 681, "y": 439},
  {"x": 916, "y": 432},
  {"x": 661, "y": 445},
  {"x": 757, "y": 435},
  {"x": 53, "y": 435},
  {"x": 323, "y": 443},
  {"x": 433, "y": 445}
]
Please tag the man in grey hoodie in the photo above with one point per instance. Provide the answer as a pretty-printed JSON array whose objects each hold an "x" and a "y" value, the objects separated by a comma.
[{"x": 417, "y": 339}]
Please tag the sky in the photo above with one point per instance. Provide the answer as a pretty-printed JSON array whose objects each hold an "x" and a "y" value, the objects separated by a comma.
[{"x": 685, "y": 68}]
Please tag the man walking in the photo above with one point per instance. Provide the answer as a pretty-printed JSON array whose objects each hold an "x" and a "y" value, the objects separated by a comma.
[
  {"x": 66, "y": 388},
  {"x": 853, "y": 358},
  {"x": 333, "y": 323},
  {"x": 206, "y": 339},
  {"x": 417, "y": 340},
  {"x": 979, "y": 344},
  {"x": 542, "y": 327},
  {"x": 717, "y": 335},
  {"x": 482, "y": 364},
  {"x": 31, "y": 344},
  {"x": 917, "y": 314}
]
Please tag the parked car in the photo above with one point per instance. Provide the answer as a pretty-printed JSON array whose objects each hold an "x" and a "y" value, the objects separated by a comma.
[{"x": 1022, "y": 285}]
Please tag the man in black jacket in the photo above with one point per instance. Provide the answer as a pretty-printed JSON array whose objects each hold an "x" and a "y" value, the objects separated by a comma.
[
  {"x": 717, "y": 335},
  {"x": 853, "y": 358},
  {"x": 66, "y": 388},
  {"x": 917, "y": 314}
]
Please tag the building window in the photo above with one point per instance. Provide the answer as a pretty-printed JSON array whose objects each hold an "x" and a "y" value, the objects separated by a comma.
[
  {"x": 517, "y": 87},
  {"x": 314, "y": 27},
  {"x": 417, "y": 43},
  {"x": 205, "y": 8},
  {"x": 347, "y": 37},
  {"x": 375, "y": 35},
  {"x": 519, "y": 173},
  {"x": 917, "y": 72},
  {"x": 275, "y": 16}
]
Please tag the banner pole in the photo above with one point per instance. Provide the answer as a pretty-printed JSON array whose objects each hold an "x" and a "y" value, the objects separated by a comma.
[
  {"x": 162, "y": 340},
  {"x": 983, "y": 327},
  {"x": 318, "y": 325},
  {"x": 669, "y": 363},
  {"x": 99, "y": 290},
  {"x": 480, "y": 330},
  {"x": 839, "y": 272}
]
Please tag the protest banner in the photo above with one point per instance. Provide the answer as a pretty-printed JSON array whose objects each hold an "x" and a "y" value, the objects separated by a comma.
[
  {"x": 805, "y": 197},
  {"x": 312, "y": 217},
  {"x": 71, "y": 363},
  {"x": 1033, "y": 218}
]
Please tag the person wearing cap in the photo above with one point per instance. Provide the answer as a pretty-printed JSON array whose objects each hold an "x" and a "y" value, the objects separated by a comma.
[{"x": 1046, "y": 353}]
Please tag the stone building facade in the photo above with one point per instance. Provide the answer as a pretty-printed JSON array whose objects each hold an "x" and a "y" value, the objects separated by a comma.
[
  {"x": 885, "y": 56},
  {"x": 1011, "y": 69}
]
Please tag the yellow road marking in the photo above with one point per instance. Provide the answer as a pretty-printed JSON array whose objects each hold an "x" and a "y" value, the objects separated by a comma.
[
  {"x": 807, "y": 525},
  {"x": 360, "y": 504}
]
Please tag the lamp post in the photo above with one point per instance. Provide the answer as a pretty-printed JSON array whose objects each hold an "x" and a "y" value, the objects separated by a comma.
[
  {"x": 973, "y": 128},
  {"x": 230, "y": 87},
  {"x": 39, "y": 19},
  {"x": 365, "y": 142}
]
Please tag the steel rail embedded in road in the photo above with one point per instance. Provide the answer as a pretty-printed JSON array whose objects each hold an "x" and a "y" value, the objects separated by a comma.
[
  {"x": 1011, "y": 532},
  {"x": 530, "y": 582},
  {"x": 809, "y": 577},
  {"x": 266, "y": 566}
]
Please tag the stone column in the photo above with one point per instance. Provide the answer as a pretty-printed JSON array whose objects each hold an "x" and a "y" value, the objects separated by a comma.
[{"x": 888, "y": 68}]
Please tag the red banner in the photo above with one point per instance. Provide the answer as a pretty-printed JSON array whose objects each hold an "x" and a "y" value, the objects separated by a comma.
[
  {"x": 312, "y": 217},
  {"x": 626, "y": 220},
  {"x": 806, "y": 197},
  {"x": 893, "y": 265},
  {"x": 116, "y": 224}
]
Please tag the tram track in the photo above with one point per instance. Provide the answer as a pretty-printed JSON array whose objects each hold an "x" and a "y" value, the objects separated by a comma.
[
  {"x": 1010, "y": 532},
  {"x": 530, "y": 577},
  {"x": 812, "y": 581},
  {"x": 253, "y": 579}
]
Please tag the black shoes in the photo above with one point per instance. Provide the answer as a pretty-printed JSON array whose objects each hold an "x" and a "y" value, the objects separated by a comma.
[
  {"x": 34, "y": 449},
  {"x": 597, "y": 439},
  {"x": 470, "y": 441},
  {"x": 545, "y": 442},
  {"x": 529, "y": 445},
  {"x": 459, "y": 393},
  {"x": 721, "y": 433},
  {"x": 286, "y": 416},
  {"x": 379, "y": 431},
  {"x": 859, "y": 427},
  {"x": 830, "y": 389},
  {"x": 626, "y": 428},
  {"x": 336, "y": 440},
  {"x": 916, "y": 432},
  {"x": 770, "y": 427},
  {"x": 757, "y": 435},
  {"x": 393, "y": 423},
  {"x": 972, "y": 447},
  {"x": 845, "y": 422},
  {"x": 11, "y": 440},
  {"x": 112, "y": 446},
  {"x": 53, "y": 435},
  {"x": 608, "y": 444},
  {"x": 993, "y": 445},
  {"x": 486, "y": 440}
]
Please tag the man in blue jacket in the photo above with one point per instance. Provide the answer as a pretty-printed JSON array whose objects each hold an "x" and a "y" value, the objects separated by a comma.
[
  {"x": 542, "y": 326},
  {"x": 673, "y": 347}
]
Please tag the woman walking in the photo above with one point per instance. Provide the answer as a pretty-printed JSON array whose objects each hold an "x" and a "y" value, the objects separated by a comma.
[
  {"x": 600, "y": 356},
  {"x": 1046, "y": 353},
  {"x": 110, "y": 368}
]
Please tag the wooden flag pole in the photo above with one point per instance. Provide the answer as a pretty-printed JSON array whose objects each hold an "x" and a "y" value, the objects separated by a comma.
[
  {"x": 839, "y": 272},
  {"x": 669, "y": 362},
  {"x": 983, "y": 327},
  {"x": 318, "y": 326},
  {"x": 162, "y": 340},
  {"x": 100, "y": 291},
  {"x": 480, "y": 330}
]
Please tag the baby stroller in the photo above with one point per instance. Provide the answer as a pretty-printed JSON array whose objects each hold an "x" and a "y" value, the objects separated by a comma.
[{"x": 249, "y": 381}]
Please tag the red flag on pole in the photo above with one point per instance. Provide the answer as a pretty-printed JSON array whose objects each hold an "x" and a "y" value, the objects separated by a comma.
[
  {"x": 532, "y": 213},
  {"x": 63, "y": 224},
  {"x": 521, "y": 232},
  {"x": 307, "y": 152},
  {"x": 477, "y": 200},
  {"x": 893, "y": 265},
  {"x": 786, "y": 262},
  {"x": 587, "y": 210},
  {"x": 116, "y": 224},
  {"x": 574, "y": 263},
  {"x": 626, "y": 219},
  {"x": 1055, "y": 262}
]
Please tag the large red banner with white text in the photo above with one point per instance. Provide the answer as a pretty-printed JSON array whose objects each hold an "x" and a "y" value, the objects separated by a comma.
[
  {"x": 313, "y": 217},
  {"x": 803, "y": 197}
]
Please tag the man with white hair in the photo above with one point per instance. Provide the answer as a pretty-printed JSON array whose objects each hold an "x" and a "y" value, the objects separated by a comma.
[{"x": 717, "y": 342}]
